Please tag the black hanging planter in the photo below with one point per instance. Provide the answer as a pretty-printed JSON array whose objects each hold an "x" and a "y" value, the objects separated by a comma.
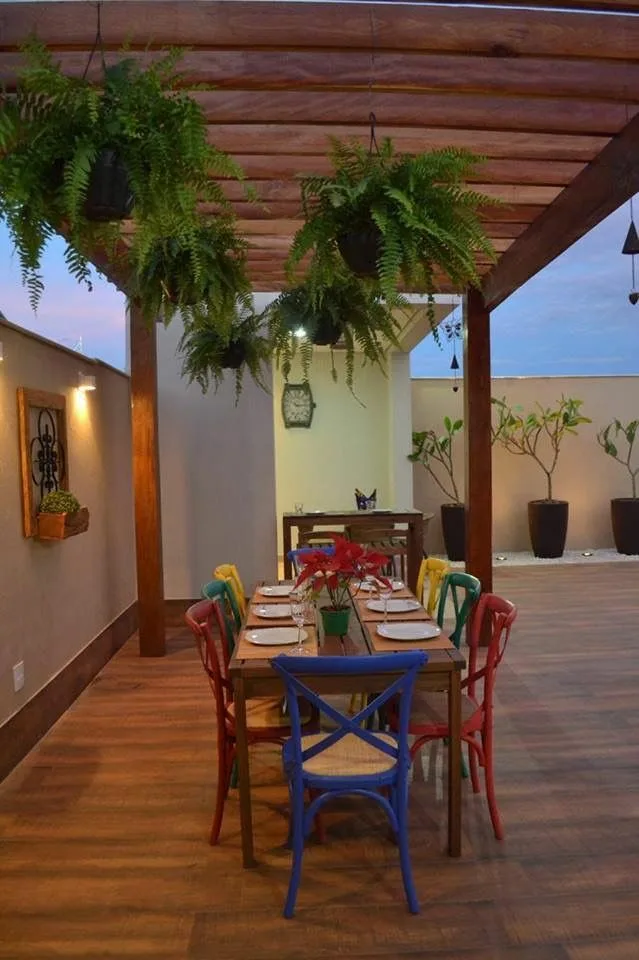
[
  {"x": 234, "y": 355},
  {"x": 548, "y": 526},
  {"x": 453, "y": 517},
  {"x": 327, "y": 331},
  {"x": 624, "y": 512},
  {"x": 109, "y": 196},
  {"x": 361, "y": 248}
]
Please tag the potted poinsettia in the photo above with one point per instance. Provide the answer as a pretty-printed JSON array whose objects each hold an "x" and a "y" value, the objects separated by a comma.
[
  {"x": 624, "y": 510},
  {"x": 60, "y": 516},
  {"x": 435, "y": 453},
  {"x": 334, "y": 573},
  {"x": 394, "y": 218}
]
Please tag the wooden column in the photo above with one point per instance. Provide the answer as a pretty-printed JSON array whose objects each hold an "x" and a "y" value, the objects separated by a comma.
[
  {"x": 477, "y": 431},
  {"x": 146, "y": 484}
]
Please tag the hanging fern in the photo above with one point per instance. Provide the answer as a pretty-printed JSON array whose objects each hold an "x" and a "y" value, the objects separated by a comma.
[{"x": 426, "y": 217}]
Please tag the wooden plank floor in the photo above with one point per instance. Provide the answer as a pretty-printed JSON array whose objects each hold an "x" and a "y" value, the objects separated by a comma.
[{"x": 103, "y": 828}]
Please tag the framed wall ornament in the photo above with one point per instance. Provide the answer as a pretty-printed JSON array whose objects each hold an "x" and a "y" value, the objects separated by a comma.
[{"x": 42, "y": 429}]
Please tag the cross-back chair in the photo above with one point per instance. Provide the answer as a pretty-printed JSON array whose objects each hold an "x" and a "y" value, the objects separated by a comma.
[
  {"x": 297, "y": 556},
  {"x": 433, "y": 570},
  {"x": 223, "y": 591},
  {"x": 464, "y": 590},
  {"x": 230, "y": 573}
]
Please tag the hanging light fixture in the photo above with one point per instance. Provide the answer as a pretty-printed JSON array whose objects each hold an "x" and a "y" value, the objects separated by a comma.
[
  {"x": 631, "y": 249},
  {"x": 453, "y": 332}
]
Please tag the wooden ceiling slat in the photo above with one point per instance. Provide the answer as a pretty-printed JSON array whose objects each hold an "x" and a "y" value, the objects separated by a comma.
[
  {"x": 472, "y": 111},
  {"x": 273, "y": 138},
  {"x": 596, "y": 192},
  {"x": 609, "y": 6},
  {"x": 246, "y": 25},
  {"x": 594, "y": 79}
]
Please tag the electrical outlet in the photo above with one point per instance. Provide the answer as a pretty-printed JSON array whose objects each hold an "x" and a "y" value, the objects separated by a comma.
[{"x": 18, "y": 676}]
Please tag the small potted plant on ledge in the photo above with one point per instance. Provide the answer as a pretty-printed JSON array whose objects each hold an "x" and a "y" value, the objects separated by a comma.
[
  {"x": 624, "y": 510},
  {"x": 61, "y": 516},
  {"x": 334, "y": 573},
  {"x": 435, "y": 453},
  {"x": 540, "y": 434}
]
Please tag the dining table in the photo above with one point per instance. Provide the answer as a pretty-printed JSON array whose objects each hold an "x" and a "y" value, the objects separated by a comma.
[{"x": 252, "y": 675}]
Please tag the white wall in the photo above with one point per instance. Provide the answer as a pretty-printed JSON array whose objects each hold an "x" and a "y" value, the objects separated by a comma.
[
  {"x": 585, "y": 475},
  {"x": 56, "y": 597},
  {"x": 217, "y": 474}
]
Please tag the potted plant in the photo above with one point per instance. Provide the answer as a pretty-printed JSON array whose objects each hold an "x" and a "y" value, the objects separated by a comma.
[
  {"x": 394, "y": 218},
  {"x": 208, "y": 351},
  {"x": 77, "y": 157},
  {"x": 540, "y": 434},
  {"x": 60, "y": 516},
  {"x": 624, "y": 510},
  {"x": 339, "y": 310},
  {"x": 435, "y": 453},
  {"x": 334, "y": 573}
]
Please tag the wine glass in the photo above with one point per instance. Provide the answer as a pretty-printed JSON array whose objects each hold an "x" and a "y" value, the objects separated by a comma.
[
  {"x": 385, "y": 593},
  {"x": 300, "y": 613}
]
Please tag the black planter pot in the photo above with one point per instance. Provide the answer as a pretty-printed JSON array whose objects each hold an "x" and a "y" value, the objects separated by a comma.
[
  {"x": 234, "y": 355},
  {"x": 109, "y": 196},
  {"x": 360, "y": 249},
  {"x": 624, "y": 512},
  {"x": 548, "y": 525},
  {"x": 454, "y": 529},
  {"x": 327, "y": 332}
]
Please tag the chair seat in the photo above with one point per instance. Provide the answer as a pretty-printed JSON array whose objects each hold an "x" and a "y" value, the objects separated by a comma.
[
  {"x": 266, "y": 713},
  {"x": 430, "y": 710},
  {"x": 349, "y": 757}
]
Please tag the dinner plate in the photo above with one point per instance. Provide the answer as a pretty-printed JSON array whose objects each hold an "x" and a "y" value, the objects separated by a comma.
[
  {"x": 394, "y": 606},
  {"x": 275, "y": 637},
  {"x": 277, "y": 590},
  {"x": 273, "y": 611},
  {"x": 413, "y": 630},
  {"x": 367, "y": 585}
]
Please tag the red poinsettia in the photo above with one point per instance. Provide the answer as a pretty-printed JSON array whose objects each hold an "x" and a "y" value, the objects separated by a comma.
[{"x": 336, "y": 571}]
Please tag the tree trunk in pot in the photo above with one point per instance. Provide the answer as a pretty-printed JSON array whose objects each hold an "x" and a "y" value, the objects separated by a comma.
[
  {"x": 624, "y": 513},
  {"x": 453, "y": 517},
  {"x": 548, "y": 526}
]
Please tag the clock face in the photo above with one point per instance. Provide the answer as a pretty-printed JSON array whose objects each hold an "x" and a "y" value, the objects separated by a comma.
[{"x": 297, "y": 405}]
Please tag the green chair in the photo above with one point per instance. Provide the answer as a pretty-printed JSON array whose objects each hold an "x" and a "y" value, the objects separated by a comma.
[
  {"x": 222, "y": 590},
  {"x": 464, "y": 590}
]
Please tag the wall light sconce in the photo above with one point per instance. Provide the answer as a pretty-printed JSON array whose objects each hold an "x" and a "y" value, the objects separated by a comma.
[{"x": 86, "y": 381}]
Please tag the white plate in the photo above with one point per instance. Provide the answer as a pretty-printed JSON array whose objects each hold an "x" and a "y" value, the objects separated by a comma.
[
  {"x": 275, "y": 637},
  {"x": 408, "y": 631},
  {"x": 273, "y": 611},
  {"x": 367, "y": 585},
  {"x": 393, "y": 606},
  {"x": 278, "y": 590}
]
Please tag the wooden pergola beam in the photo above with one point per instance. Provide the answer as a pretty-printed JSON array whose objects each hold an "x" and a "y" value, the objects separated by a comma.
[{"x": 606, "y": 183}]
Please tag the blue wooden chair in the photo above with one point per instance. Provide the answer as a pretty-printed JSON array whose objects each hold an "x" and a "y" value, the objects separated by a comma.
[
  {"x": 351, "y": 759},
  {"x": 297, "y": 556}
]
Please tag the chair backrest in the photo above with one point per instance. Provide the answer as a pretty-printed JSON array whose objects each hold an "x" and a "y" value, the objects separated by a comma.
[
  {"x": 206, "y": 622},
  {"x": 435, "y": 570},
  {"x": 297, "y": 556},
  {"x": 464, "y": 590},
  {"x": 500, "y": 614},
  {"x": 223, "y": 591},
  {"x": 407, "y": 663},
  {"x": 229, "y": 572},
  {"x": 318, "y": 538}
]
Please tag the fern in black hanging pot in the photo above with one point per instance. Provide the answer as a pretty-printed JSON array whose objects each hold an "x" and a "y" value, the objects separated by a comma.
[
  {"x": 109, "y": 195},
  {"x": 361, "y": 248},
  {"x": 234, "y": 355},
  {"x": 327, "y": 331}
]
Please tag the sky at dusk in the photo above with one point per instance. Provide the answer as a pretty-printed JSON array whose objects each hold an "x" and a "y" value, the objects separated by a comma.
[{"x": 573, "y": 318}]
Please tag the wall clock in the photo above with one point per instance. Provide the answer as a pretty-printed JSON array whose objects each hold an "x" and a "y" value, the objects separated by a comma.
[{"x": 297, "y": 405}]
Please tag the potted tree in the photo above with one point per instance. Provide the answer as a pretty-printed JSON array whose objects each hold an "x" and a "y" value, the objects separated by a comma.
[
  {"x": 339, "y": 310},
  {"x": 435, "y": 453},
  {"x": 77, "y": 158},
  {"x": 60, "y": 516},
  {"x": 624, "y": 510},
  {"x": 334, "y": 573},
  {"x": 208, "y": 351},
  {"x": 539, "y": 435},
  {"x": 393, "y": 219}
]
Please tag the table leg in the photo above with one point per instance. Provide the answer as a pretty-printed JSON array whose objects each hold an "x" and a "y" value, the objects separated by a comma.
[
  {"x": 286, "y": 544},
  {"x": 244, "y": 773},
  {"x": 454, "y": 764},
  {"x": 415, "y": 545}
]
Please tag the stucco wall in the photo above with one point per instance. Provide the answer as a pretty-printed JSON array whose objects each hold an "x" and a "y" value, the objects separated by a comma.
[
  {"x": 56, "y": 597},
  {"x": 585, "y": 476}
]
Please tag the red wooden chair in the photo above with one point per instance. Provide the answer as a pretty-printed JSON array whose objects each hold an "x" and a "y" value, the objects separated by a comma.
[
  {"x": 266, "y": 724},
  {"x": 477, "y": 699}
]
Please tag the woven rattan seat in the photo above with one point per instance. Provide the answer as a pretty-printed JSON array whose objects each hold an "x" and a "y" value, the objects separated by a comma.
[{"x": 349, "y": 757}]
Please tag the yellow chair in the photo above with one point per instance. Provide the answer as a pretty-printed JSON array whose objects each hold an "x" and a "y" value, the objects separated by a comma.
[
  {"x": 435, "y": 570},
  {"x": 229, "y": 572}
]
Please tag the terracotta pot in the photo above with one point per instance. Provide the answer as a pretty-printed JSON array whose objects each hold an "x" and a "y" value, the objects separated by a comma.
[
  {"x": 60, "y": 526},
  {"x": 624, "y": 512},
  {"x": 548, "y": 525}
]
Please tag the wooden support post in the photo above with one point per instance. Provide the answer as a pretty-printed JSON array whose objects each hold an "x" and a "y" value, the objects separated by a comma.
[
  {"x": 146, "y": 484},
  {"x": 477, "y": 420}
]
